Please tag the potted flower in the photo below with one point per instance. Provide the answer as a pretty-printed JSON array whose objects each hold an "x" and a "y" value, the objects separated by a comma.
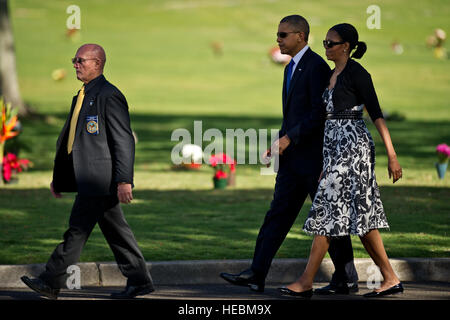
[
  {"x": 220, "y": 179},
  {"x": 12, "y": 166},
  {"x": 224, "y": 170},
  {"x": 443, "y": 152}
]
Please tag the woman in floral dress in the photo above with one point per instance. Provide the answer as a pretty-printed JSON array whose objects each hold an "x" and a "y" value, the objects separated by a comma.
[{"x": 348, "y": 199}]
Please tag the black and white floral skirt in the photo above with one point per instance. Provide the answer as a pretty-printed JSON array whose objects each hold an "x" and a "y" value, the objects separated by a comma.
[{"x": 347, "y": 199}]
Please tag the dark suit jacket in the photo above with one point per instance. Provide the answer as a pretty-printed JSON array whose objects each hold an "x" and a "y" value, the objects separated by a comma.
[
  {"x": 304, "y": 115},
  {"x": 103, "y": 149}
]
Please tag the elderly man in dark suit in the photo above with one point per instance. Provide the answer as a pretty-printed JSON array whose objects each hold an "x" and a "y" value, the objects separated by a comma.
[
  {"x": 95, "y": 158},
  {"x": 300, "y": 161}
]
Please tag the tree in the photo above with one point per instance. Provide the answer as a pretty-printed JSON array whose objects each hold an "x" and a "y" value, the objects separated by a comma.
[{"x": 9, "y": 84}]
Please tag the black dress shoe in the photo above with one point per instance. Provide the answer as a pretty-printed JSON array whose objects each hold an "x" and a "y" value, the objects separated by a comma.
[
  {"x": 41, "y": 287},
  {"x": 303, "y": 294},
  {"x": 341, "y": 288},
  {"x": 352, "y": 287},
  {"x": 133, "y": 291},
  {"x": 246, "y": 278},
  {"x": 398, "y": 288}
]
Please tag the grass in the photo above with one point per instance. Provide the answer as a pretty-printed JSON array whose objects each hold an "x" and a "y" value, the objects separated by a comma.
[
  {"x": 180, "y": 224},
  {"x": 159, "y": 55}
]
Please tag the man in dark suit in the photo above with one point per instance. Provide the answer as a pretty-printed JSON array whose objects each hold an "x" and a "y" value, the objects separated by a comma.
[
  {"x": 300, "y": 160},
  {"x": 95, "y": 158}
]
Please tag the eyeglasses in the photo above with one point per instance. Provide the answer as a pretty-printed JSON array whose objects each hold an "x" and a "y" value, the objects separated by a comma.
[
  {"x": 80, "y": 60},
  {"x": 330, "y": 44},
  {"x": 285, "y": 34}
]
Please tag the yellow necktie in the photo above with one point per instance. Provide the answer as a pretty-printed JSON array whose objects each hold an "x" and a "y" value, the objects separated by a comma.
[{"x": 73, "y": 121}]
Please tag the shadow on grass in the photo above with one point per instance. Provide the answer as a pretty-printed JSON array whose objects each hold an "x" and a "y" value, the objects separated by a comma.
[
  {"x": 211, "y": 224},
  {"x": 414, "y": 140}
]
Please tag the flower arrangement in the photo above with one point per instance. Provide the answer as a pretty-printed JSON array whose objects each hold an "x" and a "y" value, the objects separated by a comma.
[
  {"x": 443, "y": 153},
  {"x": 277, "y": 57},
  {"x": 192, "y": 156},
  {"x": 224, "y": 170},
  {"x": 12, "y": 165},
  {"x": 8, "y": 125},
  {"x": 59, "y": 74},
  {"x": 73, "y": 34}
]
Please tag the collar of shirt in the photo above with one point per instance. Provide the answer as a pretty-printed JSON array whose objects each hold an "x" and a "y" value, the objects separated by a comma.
[
  {"x": 92, "y": 83},
  {"x": 298, "y": 56}
]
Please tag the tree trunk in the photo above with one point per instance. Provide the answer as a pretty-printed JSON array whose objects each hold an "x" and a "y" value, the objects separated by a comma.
[{"x": 9, "y": 84}]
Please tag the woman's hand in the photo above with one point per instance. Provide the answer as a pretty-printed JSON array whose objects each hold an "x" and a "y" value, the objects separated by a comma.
[{"x": 394, "y": 169}]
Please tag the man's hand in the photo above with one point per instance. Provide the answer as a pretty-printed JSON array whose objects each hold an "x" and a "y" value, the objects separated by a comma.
[
  {"x": 283, "y": 142},
  {"x": 280, "y": 145},
  {"x": 267, "y": 155},
  {"x": 54, "y": 193},
  {"x": 124, "y": 193}
]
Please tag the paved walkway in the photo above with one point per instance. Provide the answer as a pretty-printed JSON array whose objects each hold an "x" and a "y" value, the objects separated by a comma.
[
  {"x": 226, "y": 292},
  {"x": 224, "y": 301}
]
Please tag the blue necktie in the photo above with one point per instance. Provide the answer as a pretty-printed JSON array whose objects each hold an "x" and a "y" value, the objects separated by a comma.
[{"x": 289, "y": 74}]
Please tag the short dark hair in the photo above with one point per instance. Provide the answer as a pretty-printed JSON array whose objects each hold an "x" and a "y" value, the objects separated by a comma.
[{"x": 299, "y": 23}]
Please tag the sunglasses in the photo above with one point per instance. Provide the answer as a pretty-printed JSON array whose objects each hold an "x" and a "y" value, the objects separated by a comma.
[
  {"x": 80, "y": 60},
  {"x": 285, "y": 34},
  {"x": 330, "y": 44}
]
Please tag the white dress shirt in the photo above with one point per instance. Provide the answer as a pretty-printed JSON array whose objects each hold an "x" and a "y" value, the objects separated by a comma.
[{"x": 297, "y": 58}]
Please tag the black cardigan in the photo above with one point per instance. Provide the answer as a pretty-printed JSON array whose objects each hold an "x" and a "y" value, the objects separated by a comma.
[{"x": 354, "y": 87}]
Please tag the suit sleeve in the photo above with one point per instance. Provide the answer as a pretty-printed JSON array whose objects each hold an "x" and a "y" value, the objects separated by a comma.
[
  {"x": 120, "y": 138},
  {"x": 282, "y": 130},
  {"x": 309, "y": 124}
]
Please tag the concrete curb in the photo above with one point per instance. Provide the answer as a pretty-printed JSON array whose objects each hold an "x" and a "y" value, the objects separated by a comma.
[{"x": 207, "y": 271}]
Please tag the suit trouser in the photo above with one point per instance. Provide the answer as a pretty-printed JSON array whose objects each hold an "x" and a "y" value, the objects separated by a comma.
[
  {"x": 86, "y": 213},
  {"x": 290, "y": 193}
]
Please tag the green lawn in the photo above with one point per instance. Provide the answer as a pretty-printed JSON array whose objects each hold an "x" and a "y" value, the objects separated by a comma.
[{"x": 159, "y": 54}]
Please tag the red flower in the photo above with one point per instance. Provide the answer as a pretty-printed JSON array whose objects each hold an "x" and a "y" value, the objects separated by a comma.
[
  {"x": 221, "y": 162},
  {"x": 13, "y": 165},
  {"x": 222, "y": 158},
  {"x": 220, "y": 175},
  {"x": 7, "y": 172}
]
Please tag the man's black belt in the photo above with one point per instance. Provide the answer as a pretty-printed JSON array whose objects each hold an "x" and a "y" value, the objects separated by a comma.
[{"x": 352, "y": 115}]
